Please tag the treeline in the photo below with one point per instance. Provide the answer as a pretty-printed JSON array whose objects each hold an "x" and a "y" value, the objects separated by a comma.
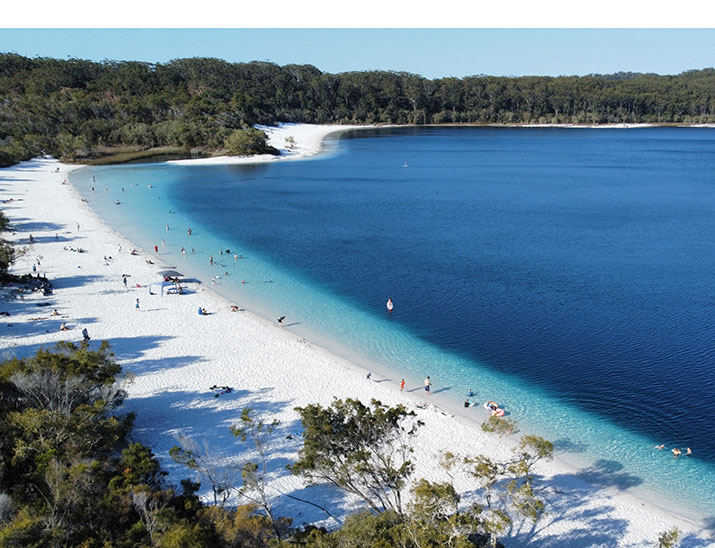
[{"x": 75, "y": 108}]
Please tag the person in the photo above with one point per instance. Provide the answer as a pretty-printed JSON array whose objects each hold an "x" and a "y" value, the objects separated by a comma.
[
  {"x": 467, "y": 403},
  {"x": 64, "y": 327},
  {"x": 660, "y": 447},
  {"x": 389, "y": 304},
  {"x": 189, "y": 231},
  {"x": 156, "y": 249},
  {"x": 688, "y": 452},
  {"x": 676, "y": 452},
  {"x": 137, "y": 305},
  {"x": 280, "y": 320},
  {"x": 167, "y": 228},
  {"x": 124, "y": 280},
  {"x": 211, "y": 259},
  {"x": 55, "y": 313},
  {"x": 470, "y": 393},
  {"x": 85, "y": 334},
  {"x": 428, "y": 383},
  {"x": 32, "y": 240},
  {"x": 57, "y": 237},
  {"x": 369, "y": 375},
  {"x": 235, "y": 308},
  {"x": 402, "y": 385},
  {"x": 34, "y": 268}
]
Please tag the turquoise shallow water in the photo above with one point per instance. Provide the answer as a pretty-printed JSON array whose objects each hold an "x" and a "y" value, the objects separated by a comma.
[{"x": 488, "y": 293}]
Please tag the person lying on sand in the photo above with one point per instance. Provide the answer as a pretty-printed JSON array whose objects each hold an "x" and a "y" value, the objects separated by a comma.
[
  {"x": 64, "y": 327},
  {"x": 221, "y": 390}
]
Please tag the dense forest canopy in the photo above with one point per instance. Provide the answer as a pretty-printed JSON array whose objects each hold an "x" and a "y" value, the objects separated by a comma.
[{"x": 76, "y": 108}]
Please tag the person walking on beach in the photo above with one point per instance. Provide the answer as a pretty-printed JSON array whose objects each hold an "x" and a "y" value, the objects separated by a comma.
[
  {"x": 137, "y": 305},
  {"x": 369, "y": 375},
  {"x": 124, "y": 280},
  {"x": 280, "y": 320},
  {"x": 428, "y": 383},
  {"x": 85, "y": 334},
  {"x": 402, "y": 385}
]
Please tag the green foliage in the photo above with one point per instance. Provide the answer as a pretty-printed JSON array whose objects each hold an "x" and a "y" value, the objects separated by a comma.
[
  {"x": 363, "y": 450},
  {"x": 72, "y": 477},
  {"x": 669, "y": 539},
  {"x": 246, "y": 142},
  {"x": 7, "y": 253},
  {"x": 244, "y": 527},
  {"x": 184, "y": 535},
  {"x": 73, "y": 108},
  {"x": 503, "y": 426}
]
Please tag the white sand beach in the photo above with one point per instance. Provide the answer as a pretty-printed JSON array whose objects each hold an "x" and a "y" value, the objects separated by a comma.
[{"x": 176, "y": 355}]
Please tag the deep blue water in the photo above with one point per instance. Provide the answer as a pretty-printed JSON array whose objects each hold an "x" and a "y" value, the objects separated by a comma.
[{"x": 570, "y": 272}]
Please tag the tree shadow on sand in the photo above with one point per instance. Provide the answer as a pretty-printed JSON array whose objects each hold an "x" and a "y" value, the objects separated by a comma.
[
  {"x": 25, "y": 327},
  {"x": 567, "y": 502},
  {"x": 74, "y": 281},
  {"x": 23, "y": 225}
]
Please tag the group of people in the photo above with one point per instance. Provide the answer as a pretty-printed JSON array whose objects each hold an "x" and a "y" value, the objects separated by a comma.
[
  {"x": 221, "y": 390},
  {"x": 677, "y": 451}
]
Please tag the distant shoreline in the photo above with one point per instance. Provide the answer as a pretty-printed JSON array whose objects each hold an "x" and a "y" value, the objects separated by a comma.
[{"x": 278, "y": 133}]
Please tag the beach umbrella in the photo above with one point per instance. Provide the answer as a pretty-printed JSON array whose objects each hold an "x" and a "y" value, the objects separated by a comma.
[{"x": 172, "y": 273}]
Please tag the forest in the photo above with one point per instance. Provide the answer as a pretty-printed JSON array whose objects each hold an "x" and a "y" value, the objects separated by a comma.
[{"x": 79, "y": 110}]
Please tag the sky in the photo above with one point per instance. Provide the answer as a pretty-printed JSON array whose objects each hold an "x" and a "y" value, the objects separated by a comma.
[{"x": 559, "y": 48}]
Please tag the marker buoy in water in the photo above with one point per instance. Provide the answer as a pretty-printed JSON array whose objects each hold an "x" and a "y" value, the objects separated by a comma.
[{"x": 389, "y": 304}]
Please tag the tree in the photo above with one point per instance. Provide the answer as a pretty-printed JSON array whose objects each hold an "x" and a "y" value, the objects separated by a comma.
[
  {"x": 7, "y": 253},
  {"x": 669, "y": 539},
  {"x": 246, "y": 142},
  {"x": 361, "y": 449},
  {"x": 208, "y": 465},
  {"x": 254, "y": 474},
  {"x": 502, "y": 426}
]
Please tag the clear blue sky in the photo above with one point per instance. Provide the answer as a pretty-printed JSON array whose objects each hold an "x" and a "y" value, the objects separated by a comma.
[{"x": 432, "y": 53}]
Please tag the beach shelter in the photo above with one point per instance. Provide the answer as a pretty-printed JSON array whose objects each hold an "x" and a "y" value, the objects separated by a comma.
[
  {"x": 170, "y": 273},
  {"x": 160, "y": 285}
]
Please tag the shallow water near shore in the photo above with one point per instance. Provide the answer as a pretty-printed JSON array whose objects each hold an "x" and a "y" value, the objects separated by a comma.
[{"x": 565, "y": 273}]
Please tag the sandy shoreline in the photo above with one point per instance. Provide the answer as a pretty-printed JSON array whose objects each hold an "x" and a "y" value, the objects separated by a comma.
[{"x": 176, "y": 355}]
